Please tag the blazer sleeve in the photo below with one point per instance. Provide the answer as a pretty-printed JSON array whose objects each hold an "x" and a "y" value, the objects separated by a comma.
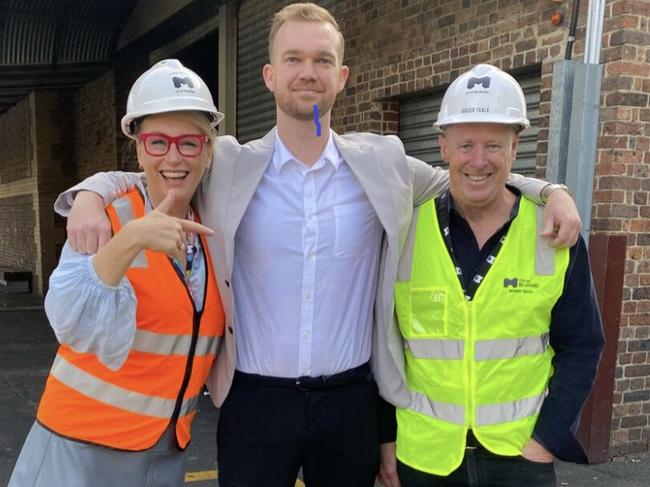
[{"x": 108, "y": 185}]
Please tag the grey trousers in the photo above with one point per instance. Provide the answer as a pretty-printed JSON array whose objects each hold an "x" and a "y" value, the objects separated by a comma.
[{"x": 48, "y": 460}]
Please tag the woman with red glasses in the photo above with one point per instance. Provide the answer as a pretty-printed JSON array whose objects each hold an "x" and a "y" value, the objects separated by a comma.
[{"x": 141, "y": 321}]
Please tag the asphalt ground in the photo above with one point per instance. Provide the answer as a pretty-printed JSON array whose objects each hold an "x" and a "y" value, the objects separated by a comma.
[{"x": 27, "y": 348}]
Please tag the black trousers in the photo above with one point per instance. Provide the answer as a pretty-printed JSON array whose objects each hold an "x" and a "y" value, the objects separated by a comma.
[
  {"x": 481, "y": 468},
  {"x": 269, "y": 428}
]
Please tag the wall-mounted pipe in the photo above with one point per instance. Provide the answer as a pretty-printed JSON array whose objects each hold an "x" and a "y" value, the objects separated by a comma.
[{"x": 572, "y": 30}]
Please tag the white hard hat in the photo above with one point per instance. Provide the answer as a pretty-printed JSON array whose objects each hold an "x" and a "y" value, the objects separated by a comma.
[
  {"x": 484, "y": 94},
  {"x": 168, "y": 86}
]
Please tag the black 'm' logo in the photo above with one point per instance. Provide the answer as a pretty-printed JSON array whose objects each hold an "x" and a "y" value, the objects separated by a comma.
[
  {"x": 484, "y": 82},
  {"x": 178, "y": 82},
  {"x": 514, "y": 282}
]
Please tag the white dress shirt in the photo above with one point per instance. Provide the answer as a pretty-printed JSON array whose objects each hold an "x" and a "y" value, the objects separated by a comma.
[{"x": 305, "y": 269}]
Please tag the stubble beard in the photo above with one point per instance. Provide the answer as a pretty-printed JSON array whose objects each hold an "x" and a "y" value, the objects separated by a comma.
[{"x": 296, "y": 110}]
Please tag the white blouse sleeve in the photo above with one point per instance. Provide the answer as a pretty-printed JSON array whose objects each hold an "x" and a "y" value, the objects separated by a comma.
[{"x": 89, "y": 315}]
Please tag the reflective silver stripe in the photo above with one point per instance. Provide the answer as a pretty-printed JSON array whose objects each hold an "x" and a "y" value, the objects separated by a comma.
[
  {"x": 189, "y": 405},
  {"x": 451, "y": 413},
  {"x": 124, "y": 211},
  {"x": 544, "y": 253},
  {"x": 485, "y": 415},
  {"x": 167, "y": 344},
  {"x": 511, "y": 347},
  {"x": 133, "y": 402},
  {"x": 437, "y": 349},
  {"x": 509, "y": 411}
]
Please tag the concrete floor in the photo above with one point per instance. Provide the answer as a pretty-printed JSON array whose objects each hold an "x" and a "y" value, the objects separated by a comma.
[{"x": 26, "y": 352}]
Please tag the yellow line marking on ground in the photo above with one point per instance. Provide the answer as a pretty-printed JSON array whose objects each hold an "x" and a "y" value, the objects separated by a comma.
[
  {"x": 199, "y": 476},
  {"x": 213, "y": 475}
]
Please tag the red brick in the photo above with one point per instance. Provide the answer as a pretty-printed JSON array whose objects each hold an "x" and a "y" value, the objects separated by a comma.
[
  {"x": 636, "y": 7},
  {"x": 629, "y": 37},
  {"x": 613, "y": 142},
  {"x": 627, "y": 99},
  {"x": 637, "y": 370}
]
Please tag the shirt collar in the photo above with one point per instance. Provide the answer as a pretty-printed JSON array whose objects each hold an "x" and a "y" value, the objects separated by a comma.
[
  {"x": 282, "y": 155},
  {"x": 447, "y": 201}
]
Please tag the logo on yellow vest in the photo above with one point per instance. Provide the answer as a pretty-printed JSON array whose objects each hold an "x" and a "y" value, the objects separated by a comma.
[{"x": 518, "y": 285}]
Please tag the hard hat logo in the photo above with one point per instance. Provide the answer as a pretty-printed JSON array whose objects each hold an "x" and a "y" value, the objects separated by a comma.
[
  {"x": 484, "y": 82},
  {"x": 178, "y": 82}
]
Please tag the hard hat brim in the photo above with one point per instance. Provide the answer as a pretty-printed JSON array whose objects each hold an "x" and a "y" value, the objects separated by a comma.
[
  {"x": 215, "y": 117},
  {"x": 441, "y": 123}
]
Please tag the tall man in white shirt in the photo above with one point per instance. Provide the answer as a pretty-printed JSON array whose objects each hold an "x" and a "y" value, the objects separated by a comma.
[{"x": 309, "y": 231}]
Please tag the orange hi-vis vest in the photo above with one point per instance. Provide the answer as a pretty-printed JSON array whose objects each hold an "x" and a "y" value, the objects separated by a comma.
[{"x": 161, "y": 380}]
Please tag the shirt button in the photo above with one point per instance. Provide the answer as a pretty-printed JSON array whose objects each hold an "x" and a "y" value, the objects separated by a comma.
[{"x": 307, "y": 297}]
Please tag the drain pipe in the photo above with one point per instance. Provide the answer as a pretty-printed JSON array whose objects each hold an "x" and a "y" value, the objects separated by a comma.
[{"x": 572, "y": 30}]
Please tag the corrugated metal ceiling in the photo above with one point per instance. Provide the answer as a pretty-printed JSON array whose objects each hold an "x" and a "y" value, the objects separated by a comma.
[{"x": 56, "y": 43}]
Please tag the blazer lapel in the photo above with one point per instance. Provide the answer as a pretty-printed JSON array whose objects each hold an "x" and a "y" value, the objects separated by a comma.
[
  {"x": 250, "y": 167},
  {"x": 366, "y": 166}
]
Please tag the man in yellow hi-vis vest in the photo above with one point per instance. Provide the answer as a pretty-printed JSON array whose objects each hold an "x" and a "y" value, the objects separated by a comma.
[{"x": 501, "y": 333}]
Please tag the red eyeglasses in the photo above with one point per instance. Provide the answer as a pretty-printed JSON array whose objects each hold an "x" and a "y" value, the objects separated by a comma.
[{"x": 188, "y": 145}]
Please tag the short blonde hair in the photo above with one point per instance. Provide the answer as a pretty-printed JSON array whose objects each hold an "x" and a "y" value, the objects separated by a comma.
[{"x": 304, "y": 12}]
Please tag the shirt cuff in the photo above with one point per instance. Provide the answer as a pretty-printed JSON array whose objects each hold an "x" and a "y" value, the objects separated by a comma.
[
  {"x": 549, "y": 189},
  {"x": 560, "y": 441}
]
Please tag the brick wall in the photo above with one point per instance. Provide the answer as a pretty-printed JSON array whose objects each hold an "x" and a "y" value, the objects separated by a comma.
[
  {"x": 94, "y": 126},
  {"x": 14, "y": 140},
  {"x": 35, "y": 170},
  {"x": 621, "y": 206},
  {"x": 17, "y": 223},
  {"x": 17, "y": 187}
]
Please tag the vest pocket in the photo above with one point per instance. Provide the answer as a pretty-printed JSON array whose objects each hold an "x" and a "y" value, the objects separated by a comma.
[{"x": 428, "y": 312}]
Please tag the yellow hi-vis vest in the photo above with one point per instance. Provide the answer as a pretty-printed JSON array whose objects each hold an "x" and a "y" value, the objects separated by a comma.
[{"x": 482, "y": 364}]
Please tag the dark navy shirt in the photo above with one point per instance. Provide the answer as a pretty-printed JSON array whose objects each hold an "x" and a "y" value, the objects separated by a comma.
[{"x": 576, "y": 333}]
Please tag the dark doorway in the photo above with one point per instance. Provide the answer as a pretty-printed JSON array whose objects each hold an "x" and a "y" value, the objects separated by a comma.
[{"x": 202, "y": 57}]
